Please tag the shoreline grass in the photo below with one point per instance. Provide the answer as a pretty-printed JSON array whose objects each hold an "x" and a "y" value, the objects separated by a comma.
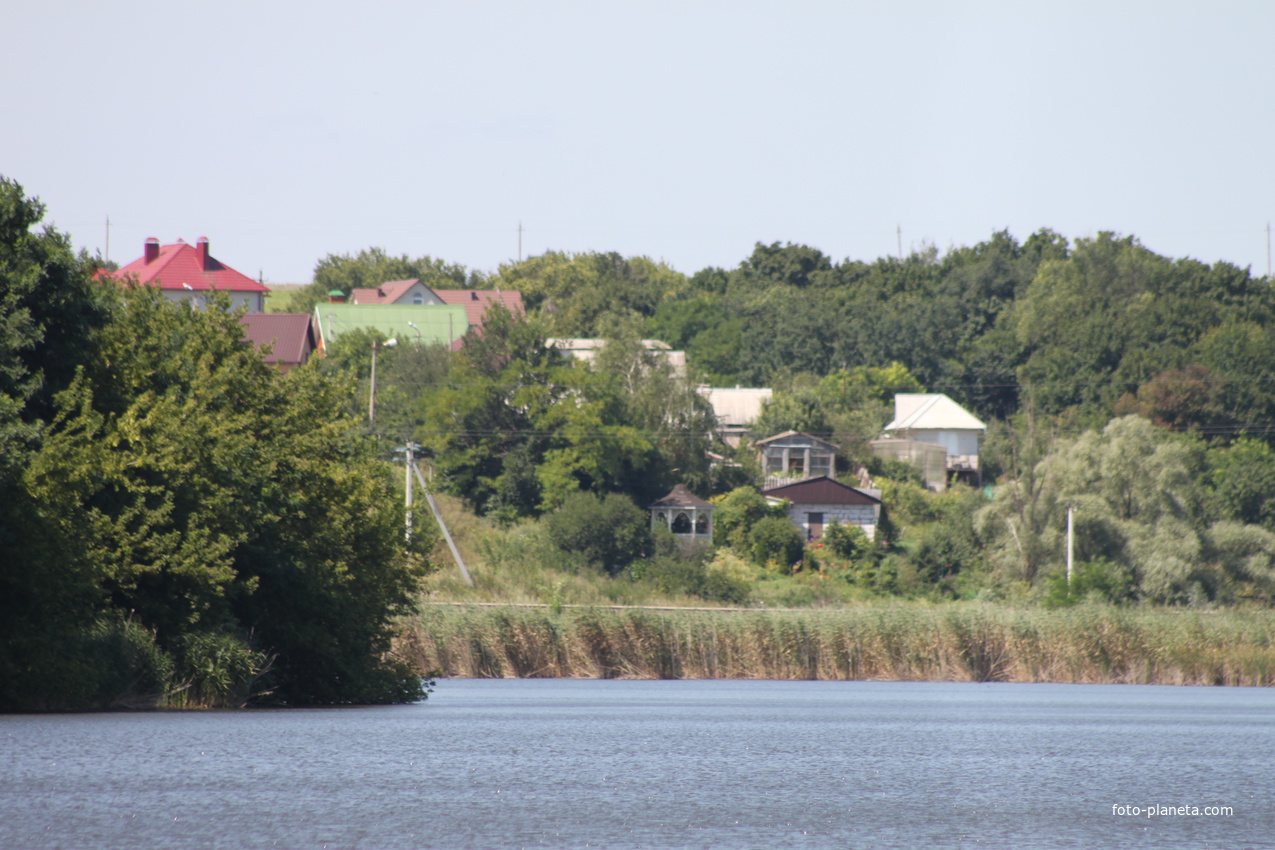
[{"x": 890, "y": 641}]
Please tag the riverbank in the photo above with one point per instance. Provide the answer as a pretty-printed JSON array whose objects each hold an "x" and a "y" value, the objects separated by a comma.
[{"x": 895, "y": 641}]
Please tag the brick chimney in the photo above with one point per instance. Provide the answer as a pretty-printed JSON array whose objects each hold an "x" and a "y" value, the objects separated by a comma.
[
  {"x": 204, "y": 260},
  {"x": 152, "y": 249}
]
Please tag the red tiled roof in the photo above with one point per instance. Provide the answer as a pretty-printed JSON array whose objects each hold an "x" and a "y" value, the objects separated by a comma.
[
  {"x": 476, "y": 301},
  {"x": 386, "y": 293},
  {"x": 290, "y": 335},
  {"x": 184, "y": 266}
]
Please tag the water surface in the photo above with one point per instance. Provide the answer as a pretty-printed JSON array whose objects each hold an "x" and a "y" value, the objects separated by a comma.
[{"x": 659, "y": 764}]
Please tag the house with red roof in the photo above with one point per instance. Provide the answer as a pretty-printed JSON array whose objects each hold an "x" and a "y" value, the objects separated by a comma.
[
  {"x": 414, "y": 292},
  {"x": 185, "y": 272}
]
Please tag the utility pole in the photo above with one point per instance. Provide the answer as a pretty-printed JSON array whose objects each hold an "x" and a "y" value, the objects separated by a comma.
[
  {"x": 409, "y": 459},
  {"x": 371, "y": 395},
  {"x": 1268, "y": 249},
  {"x": 520, "y": 242},
  {"x": 1071, "y": 538},
  {"x": 898, "y": 233},
  {"x": 108, "y": 242}
]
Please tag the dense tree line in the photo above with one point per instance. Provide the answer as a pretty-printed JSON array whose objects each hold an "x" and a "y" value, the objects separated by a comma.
[{"x": 180, "y": 523}]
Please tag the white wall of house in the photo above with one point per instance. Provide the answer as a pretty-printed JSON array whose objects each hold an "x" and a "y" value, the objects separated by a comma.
[
  {"x": 864, "y": 516},
  {"x": 254, "y": 301},
  {"x": 419, "y": 294},
  {"x": 954, "y": 442}
]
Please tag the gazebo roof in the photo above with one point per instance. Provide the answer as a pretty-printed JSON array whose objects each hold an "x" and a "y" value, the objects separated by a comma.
[{"x": 680, "y": 497}]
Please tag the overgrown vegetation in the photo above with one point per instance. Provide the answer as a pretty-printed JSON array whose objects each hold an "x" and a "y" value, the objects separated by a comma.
[{"x": 181, "y": 524}]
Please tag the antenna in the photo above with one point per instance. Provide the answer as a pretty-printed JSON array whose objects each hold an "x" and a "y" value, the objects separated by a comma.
[
  {"x": 898, "y": 232},
  {"x": 520, "y": 242},
  {"x": 108, "y": 242}
]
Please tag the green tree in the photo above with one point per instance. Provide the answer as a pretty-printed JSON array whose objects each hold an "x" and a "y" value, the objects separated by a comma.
[
  {"x": 608, "y": 532},
  {"x": 49, "y": 312},
  {"x": 575, "y": 292},
  {"x": 209, "y": 495},
  {"x": 1242, "y": 476}
]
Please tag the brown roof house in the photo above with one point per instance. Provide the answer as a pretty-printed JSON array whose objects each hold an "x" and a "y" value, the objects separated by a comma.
[
  {"x": 291, "y": 337},
  {"x": 816, "y": 503},
  {"x": 686, "y": 515}
]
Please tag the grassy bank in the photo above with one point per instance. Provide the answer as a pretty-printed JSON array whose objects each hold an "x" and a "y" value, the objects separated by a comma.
[{"x": 960, "y": 642}]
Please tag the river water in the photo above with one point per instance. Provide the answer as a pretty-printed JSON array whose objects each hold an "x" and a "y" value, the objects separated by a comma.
[{"x": 661, "y": 764}]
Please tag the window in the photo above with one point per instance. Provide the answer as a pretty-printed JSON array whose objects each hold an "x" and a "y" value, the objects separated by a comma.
[
  {"x": 820, "y": 464},
  {"x": 701, "y": 524},
  {"x": 681, "y": 524}
]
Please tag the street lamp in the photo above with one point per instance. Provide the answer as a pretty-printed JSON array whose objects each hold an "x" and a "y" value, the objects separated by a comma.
[
  {"x": 412, "y": 325},
  {"x": 371, "y": 396}
]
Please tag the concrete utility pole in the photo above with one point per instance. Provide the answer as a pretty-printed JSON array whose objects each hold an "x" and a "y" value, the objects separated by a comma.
[
  {"x": 1071, "y": 538},
  {"x": 438, "y": 516}
]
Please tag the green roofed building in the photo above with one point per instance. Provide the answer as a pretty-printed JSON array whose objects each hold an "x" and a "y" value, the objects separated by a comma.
[{"x": 444, "y": 324}]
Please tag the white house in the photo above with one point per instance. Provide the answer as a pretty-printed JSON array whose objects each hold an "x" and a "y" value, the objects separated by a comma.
[{"x": 935, "y": 419}]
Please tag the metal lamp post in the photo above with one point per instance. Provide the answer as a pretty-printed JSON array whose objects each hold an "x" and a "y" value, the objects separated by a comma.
[{"x": 371, "y": 396}]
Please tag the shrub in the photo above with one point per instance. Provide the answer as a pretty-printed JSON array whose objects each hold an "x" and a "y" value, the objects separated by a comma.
[
  {"x": 775, "y": 539},
  {"x": 609, "y": 532},
  {"x": 1098, "y": 580},
  {"x": 846, "y": 541}
]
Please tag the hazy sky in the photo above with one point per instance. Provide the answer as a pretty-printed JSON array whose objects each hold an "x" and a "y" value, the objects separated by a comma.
[{"x": 683, "y": 131}]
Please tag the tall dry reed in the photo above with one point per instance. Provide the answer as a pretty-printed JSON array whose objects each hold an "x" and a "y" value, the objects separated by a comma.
[{"x": 971, "y": 642}]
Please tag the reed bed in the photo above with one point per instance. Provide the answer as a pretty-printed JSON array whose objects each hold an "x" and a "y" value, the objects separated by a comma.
[{"x": 969, "y": 642}]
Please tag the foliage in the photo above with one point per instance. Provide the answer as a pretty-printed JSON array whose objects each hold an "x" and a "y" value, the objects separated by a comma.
[
  {"x": 1098, "y": 580},
  {"x": 607, "y": 532},
  {"x": 208, "y": 495},
  {"x": 575, "y": 292},
  {"x": 846, "y": 541},
  {"x": 1243, "y": 483},
  {"x": 737, "y": 512},
  {"x": 775, "y": 540}
]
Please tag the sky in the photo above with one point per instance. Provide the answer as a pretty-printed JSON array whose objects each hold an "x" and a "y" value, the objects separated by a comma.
[{"x": 682, "y": 131}]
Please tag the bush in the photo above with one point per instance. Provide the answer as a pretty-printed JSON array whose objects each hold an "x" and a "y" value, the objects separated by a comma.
[
  {"x": 608, "y": 532},
  {"x": 737, "y": 512},
  {"x": 673, "y": 575},
  {"x": 846, "y": 541},
  {"x": 1098, "y": 580},
  {"x": 777, "y": 540}
]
